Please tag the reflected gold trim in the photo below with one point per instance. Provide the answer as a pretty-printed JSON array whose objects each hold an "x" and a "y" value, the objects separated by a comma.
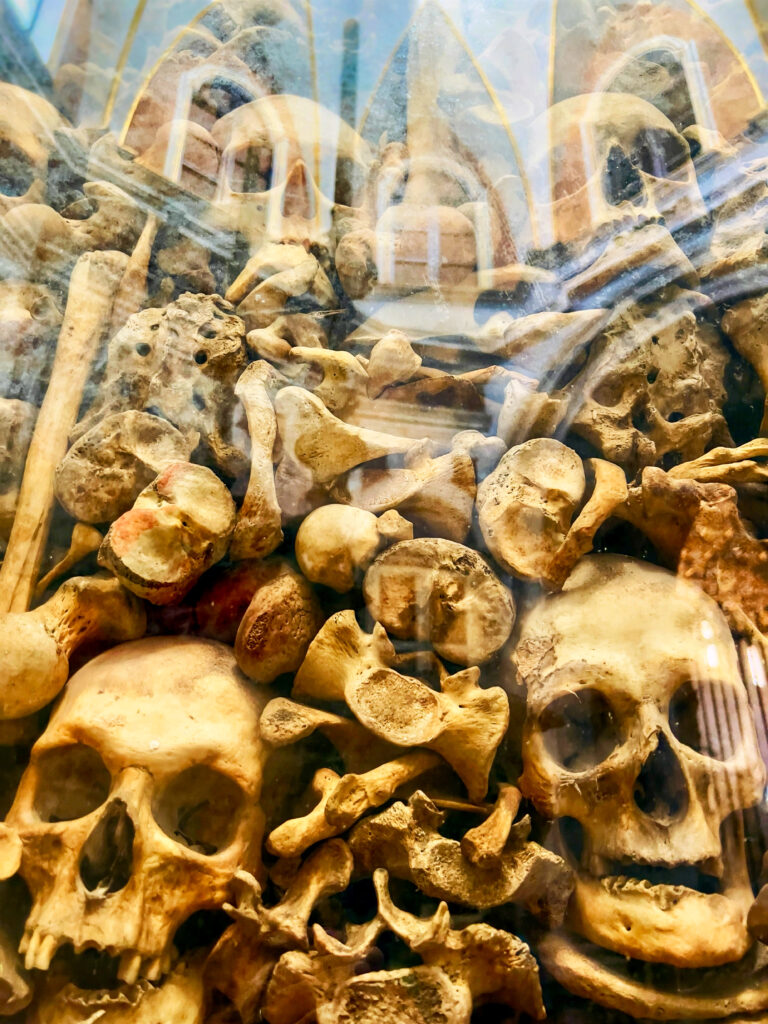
[
  {"x": 533, "y": 220},
  {"x": 122, "y": 60}
]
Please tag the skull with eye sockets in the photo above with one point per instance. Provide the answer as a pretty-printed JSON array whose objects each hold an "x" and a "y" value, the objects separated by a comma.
[
  {"x": 140, "y": 803},
  {"x": 639, "y": 742}
]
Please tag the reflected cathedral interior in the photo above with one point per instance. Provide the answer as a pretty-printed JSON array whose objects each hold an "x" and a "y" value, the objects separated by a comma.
[{"x": 383, "y": 511}]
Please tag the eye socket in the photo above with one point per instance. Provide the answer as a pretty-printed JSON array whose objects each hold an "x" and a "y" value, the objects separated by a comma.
[
  {"x": 199, "y": 808},
  {"x": 579, "y": 730},
  {"x": 707, "y": 716},
  {"x": 72, "y": 781}
]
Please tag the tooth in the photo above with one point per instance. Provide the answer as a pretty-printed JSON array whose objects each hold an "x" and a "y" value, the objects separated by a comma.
[
  {"x": 31, "y": 955},
  {"x": 598, "y": 866},
  {"x": 130, "y": 964},
  {"x": 24, "y": 944},
  {"x": 45, "y": 952},
  {"x": 152, "y": 969}
]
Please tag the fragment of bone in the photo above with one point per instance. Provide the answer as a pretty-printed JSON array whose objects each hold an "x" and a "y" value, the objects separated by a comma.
[
  {"x": 657, "y": 618},
  {"x": 355, "y": 262},
  {"x": 39, "y": 244},
  {"x": 275, "y": 341},
  {"x": 744, "y": 324},
  {"x": 527, "y": 412},
  {"x": 122, "y": 792},
  {"x": 293, "y": 837},
  {"x": 337, "y": 378},
  {"x": 180, "y": 998},
  {"x": 737, "y": 993},
  {"x": 700, "y": 533},
  {"x": 436, "y": 590},
  {"x": 356, "y": 794},
  {"x": 285, "y": 721},
  {"x": 609, "y": 491},
  {"x": 439, "y": 493},
  {"x": 526, "y": 505},
  {"x": 326, "y": 446},
  {"x": 84, "y": 541},
  {"x": 107, "y": 468},
  {"x": 335, "y": 544},
  {"x": 179, "y": 526},
  {"x": 225, "y": 593},
  {"x": 36, "y": 646},
  {"x": 283, "y": 616},
  {"x": 275, "y": 276},
  {"x": 539, "y": 343},
  {"x": 392, "y": 361},
  {"x": 17, "y": 421},
  {"x": 405, "y": 840},
  {"x": 653, "y": 383},
  {"x": 17, "y": 992},
  {"x": 745, "y": 464},
  {"x": 180, "y": 363},
  {"x": 30, "y": 320},
  {"x": 27, "y": 125},
  {"x": 462, "y": 722},
  {"x": 132, "y": 293},
  {"x": 459, "y": 969},
  {"x": 240, "y": 963},
  {"x": 485, "y": 451},
  {"x": 484, "y": 844},
  {"x": 258, "y": 528},
  {"x": 92, "y": 288}
]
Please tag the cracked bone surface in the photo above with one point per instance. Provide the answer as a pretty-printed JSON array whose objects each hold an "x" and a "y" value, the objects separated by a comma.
[
  {"x": 405, "y": 840},
  {"x": 132, "y": 817},
  {"x": 459, "y": 969},
  {"x": 242, "y": 960},
  {"x": 179, "y": 526},
  {"x": 442, "y": 592},
  {"x": 107, "y": 468},
  {"x": 463, "y": 722}
]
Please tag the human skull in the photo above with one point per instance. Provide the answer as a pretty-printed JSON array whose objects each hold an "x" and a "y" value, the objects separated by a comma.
[
  {"x": 638, "y": 730},
  {"x": 613, "y": 155},
  {"x": 139, "y": 805},
  {"x": 282, "y": 160},
  {"x": 653, "y": 385},
  {"x": 27, "y": 124}
]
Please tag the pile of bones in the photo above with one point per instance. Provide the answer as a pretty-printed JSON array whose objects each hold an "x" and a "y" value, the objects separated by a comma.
[{"x": 391, "y": 666}]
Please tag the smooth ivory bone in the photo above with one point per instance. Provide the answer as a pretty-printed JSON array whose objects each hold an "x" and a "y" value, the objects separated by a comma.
[
  {"x": 35, "y": 647},
  {"x": 92, "y": 288},
  {"x": 463, "y": 722},
  {"x": 258, "y": 528},
  {"x": 335, "y": 544},
  {"x": 293, "y": 837},
  {"x": 326, "y": 446}
]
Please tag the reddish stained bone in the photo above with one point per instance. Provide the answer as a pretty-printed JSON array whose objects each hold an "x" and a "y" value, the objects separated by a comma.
[{"x": 93, "y": 285}]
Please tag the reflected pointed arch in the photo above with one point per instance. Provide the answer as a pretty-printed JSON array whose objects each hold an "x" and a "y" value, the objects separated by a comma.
[
  {"x": 167, "y": 89},
  {"x": 465, "y": 95},
  {"x": 589, "y": 54}
]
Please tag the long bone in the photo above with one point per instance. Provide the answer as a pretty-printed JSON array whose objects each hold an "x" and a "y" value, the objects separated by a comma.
[
  {"x": 257, "y": 530},
  {"x": 462, "y": 722},
  {"x": 93, "y": 285},
  {"x": 36, "y": 646}
]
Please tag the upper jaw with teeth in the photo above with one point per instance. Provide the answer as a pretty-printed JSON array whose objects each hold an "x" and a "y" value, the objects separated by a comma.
[{"x": 39, "y": 949}]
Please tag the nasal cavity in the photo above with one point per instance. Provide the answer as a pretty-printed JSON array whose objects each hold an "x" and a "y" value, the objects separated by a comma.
[
  {"x": 621, "y": 180},
  {"x": 661, "y": 791},
  {"x": 107, "y": 857}
]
